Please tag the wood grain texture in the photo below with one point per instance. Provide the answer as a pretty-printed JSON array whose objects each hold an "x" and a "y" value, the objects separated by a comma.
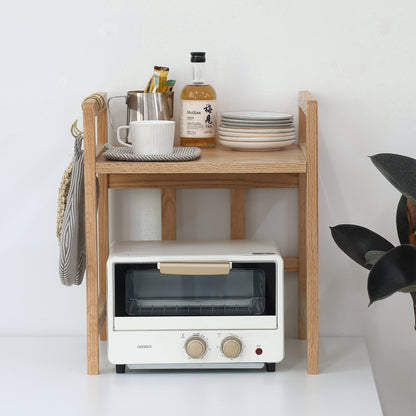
[
  {"x": 216, "y": 160},
  {"x": 102, "y": 304},
  {"x": 103, "y": 242},
  {"x": 91, "y": 236},
  {"x": 302, "y": 226},
  {"x": 291, "y": 264},
  {"x": 168, "y": 213},
  {"x": 302, "y": 132},
  {"x": 238, "y": 214},
  {"x": 302, "y": 313},
  {"x": 302, "y": 254},
  {"x": 102, "y": 127},
  {"x": 308, "y": 230},
  {"x": 312, "y": 302},
  {"x": 203, "y": 180},
  {"x": 305, "y": 98}
]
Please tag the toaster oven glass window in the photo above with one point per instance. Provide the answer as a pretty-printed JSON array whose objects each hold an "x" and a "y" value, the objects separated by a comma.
[{"x": 141, "y": 290}]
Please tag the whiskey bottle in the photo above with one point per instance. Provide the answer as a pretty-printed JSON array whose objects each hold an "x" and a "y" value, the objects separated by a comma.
[{"x": 198, "y": 108}]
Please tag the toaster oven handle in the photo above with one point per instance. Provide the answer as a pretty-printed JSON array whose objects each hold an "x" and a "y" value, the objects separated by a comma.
[{"x": 194, "y": 268}]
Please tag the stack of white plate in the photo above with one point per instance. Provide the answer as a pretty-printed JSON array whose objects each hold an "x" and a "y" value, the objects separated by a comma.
[{"x": 255, "y": 130}]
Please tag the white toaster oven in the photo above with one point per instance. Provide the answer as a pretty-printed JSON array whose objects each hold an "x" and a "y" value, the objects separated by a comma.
[{"x": 199, "y": 304}]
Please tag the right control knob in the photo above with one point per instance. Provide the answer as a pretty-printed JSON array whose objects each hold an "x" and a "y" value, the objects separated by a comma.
[{"x": 231, "y": 347}]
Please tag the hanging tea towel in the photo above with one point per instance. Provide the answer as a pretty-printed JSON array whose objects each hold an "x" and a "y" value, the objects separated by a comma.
[{"x": 72, "y": 231}]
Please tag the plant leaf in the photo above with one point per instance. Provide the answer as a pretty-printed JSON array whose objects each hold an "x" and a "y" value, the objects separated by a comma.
[
  {"x": 399, "y": 170},
  {"x": 355, "y": 241},
  {"x": 395, "y": 271},
  {"x": 402, "y": 223},
  {"x": 409, "y": 289},
  {"x": 372, "y": 256}
]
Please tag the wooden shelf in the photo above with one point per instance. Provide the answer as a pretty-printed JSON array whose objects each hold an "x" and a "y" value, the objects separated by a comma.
[
  {"x": 219, "y": 160},
  {"x": 292, "y": 167}
]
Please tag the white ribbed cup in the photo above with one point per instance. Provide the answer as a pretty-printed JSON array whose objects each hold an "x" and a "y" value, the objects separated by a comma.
[{"x": 150, "y": 137}]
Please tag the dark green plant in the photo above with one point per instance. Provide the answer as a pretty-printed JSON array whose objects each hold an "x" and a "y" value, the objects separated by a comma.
[{"x": 392, "y": 269}]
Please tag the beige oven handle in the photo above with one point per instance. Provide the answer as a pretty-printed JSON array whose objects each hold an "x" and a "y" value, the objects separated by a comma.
[{"x": 194, "y": 268}]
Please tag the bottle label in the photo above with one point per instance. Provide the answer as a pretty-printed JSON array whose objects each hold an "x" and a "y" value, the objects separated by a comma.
[{"x": 198, "y": 118}]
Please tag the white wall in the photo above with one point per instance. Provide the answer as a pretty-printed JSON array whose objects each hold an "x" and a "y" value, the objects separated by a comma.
[{"x": 358, "y": 58}]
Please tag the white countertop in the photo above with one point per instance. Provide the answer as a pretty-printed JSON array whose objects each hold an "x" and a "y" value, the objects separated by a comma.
[{"x": 48, "y": 376}]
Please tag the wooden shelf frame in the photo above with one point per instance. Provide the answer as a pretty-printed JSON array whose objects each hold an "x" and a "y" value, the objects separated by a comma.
[{"x": 294, "y": 167}]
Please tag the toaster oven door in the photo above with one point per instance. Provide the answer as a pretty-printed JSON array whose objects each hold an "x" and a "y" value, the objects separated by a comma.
[{"x": 193, "y": 296}]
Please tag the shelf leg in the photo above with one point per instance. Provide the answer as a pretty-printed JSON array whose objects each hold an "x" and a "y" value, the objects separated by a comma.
[
  {"x": 302, "y": 258},
  {"x": 168, "y": 212},
  {"x": 238, "y": 214},
  {"x": 312, "y": 239},
  {"x": 91, "y": 239},
  {"x": 103, "y": 242},
  {"x": 308, "y": 232}
]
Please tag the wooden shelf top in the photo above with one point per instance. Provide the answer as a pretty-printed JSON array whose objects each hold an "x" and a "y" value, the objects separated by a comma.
[{"x": 217, "y": 160}]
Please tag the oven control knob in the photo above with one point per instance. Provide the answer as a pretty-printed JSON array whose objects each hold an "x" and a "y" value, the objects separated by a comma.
[
  {"x": 195, "y": 347},
  {"x": 231, "y": 347}
]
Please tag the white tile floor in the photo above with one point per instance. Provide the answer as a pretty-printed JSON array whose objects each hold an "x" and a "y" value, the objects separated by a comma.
[{"x": 47, "y": 376}]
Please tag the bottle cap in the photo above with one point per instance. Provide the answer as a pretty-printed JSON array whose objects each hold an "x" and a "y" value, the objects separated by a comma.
[{"x": 197, "y": 56}]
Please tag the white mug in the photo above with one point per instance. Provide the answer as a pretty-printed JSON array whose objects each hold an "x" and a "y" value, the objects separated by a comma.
[{"x": 150, "y": 137}]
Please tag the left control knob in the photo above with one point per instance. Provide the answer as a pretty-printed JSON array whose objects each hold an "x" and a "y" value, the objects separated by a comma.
[{"x": 195, "y": 347}]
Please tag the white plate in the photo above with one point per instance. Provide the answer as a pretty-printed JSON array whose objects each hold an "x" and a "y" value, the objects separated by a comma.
[
  {"x": 256, "y": 120},
  {"x": 242, "y": 122},
  {"x": 256, "y": 115},
  {"x": 251, "y": 130},
  {"x": 257, "y": 138},
  {"x": 255, "y": 125},
  {"x": 257, "y": 146},
  {"x": 255, "y": 133}
]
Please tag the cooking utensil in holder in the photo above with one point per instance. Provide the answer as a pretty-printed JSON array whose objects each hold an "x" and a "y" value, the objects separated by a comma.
[{"x": 146, "y": 106}]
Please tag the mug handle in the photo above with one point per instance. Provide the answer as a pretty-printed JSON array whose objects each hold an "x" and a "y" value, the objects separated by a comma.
[
  {"x": 118, "y": 136},
  {"x": 108, "y": 107}
]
